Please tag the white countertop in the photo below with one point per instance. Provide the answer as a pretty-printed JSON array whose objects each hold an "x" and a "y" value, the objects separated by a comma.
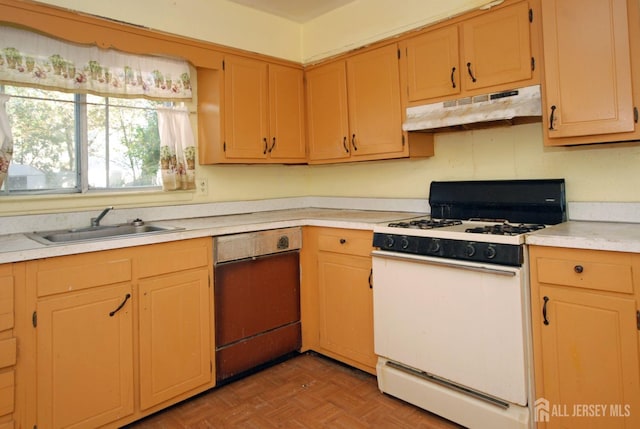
[
  {"x": 19, "y": 247},
  {"x": 613, "y": 236},
  {"x": 618, "y": 233}
]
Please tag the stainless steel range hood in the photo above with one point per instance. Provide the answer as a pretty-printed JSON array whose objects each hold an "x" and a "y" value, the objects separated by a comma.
[{"x": 522, "y": 105}]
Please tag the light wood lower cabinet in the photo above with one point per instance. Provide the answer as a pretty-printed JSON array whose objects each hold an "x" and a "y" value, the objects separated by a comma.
[
  {"x": 85, "y": 358},
  {"x": 337, "y": 298},
  {"x": 109, "y": 337},
  {"x": 175, "y": 339},
  {"x": 585, "y": 325},
  {"x": 11, "y": 277}
]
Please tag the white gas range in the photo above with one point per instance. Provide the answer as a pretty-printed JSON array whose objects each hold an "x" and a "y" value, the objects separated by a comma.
[{"x": 451, "y": 300}]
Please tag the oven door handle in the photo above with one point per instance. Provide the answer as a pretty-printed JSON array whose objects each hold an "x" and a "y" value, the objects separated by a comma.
[{"x": 419, "y": 259}]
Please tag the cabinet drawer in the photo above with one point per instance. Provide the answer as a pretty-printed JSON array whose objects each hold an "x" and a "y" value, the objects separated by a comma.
[
  {"x": 6, "y": 302},
  {"x": 174, "y": 256},
  {"x": 590, "y": 270},
  {"x": 347, "y": 241},
  {"x": 7, "y": 387},
  {"x": 71, "y": 273},
  {"x": 7, "y": 352}
]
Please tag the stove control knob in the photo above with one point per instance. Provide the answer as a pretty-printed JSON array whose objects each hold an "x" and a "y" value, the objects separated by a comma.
[
  {"x": 404, "y": 242},
  {"x": 389, "y": 241},
  {"x": 490, "y": 253},
  {"x": 434, "y": 246},
  {"x": 469, "y": 250}
]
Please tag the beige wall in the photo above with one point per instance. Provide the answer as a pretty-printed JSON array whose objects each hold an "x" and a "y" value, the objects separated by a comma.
[
  {"x": 221, "y": 21},
  {"x": 593, "y": 173},
  {"x": 218, "y": 21},
  {"x": 365, "y": 21}
]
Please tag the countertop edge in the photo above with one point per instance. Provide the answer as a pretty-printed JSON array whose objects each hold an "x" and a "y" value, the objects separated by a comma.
[
  {"x": 607, "y": 236},
  {"x": 18, "y": 247}
]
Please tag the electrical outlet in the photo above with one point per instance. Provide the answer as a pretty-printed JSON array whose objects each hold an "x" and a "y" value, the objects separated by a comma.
[{"x": 202, "y": 187}]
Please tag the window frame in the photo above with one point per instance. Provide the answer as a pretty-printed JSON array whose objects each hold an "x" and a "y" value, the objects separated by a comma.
[{"x": 81, "y": 136}]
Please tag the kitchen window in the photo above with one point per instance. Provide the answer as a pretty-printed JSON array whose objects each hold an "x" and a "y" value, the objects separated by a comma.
[
  {"x": 79, "y": 118},
  {"x": 65, "y": 142}
]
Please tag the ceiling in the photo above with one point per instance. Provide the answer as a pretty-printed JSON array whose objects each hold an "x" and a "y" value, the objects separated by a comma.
[{"x": 299, "y": 11}]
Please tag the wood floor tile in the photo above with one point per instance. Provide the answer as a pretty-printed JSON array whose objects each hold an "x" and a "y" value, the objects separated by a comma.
[{"x": 307, "y": 392}]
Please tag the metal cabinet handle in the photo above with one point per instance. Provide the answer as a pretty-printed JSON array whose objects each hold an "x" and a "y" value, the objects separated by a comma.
[
  {"x": 453, "y": 77},
  {"x": 344, "y": 144},
  {"x": 371, "y": 279},
  {"x": 126, "y": 298},
  {"x": 266, "y": 145},
  {"x": 578, "y": 269},
  {"x": 353, "y": 142},
  {"x": 552, "y": 117},
  {"x": 473, "y": 78},
  {"x": 343, "y": 240},
  {"x": 544, "y": 310},
  {"x": 272, "y": 145}
]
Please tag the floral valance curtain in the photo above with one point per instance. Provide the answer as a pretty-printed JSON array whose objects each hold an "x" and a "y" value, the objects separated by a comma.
[
  {"x": 32, "y": 59},
  {"x": 6, "y": 140},
  {"x": 177, "y": 149}
]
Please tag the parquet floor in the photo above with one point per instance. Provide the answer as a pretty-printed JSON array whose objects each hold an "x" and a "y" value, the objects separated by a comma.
[{"x": 307, "y": 391}]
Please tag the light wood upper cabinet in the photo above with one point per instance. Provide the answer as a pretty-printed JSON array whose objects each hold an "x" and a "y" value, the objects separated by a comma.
[
  {"x": 327, "y": 112},
  {"x": 489, "y": 51},
  {"x": 245, "y": 108},
  {"x": 263, "y": 111},
  {"x": 286, "y": 114},
  {"x": 353, "y": 108},
  {"x": 497, "y": 47},
  {"x": 433, "y": 68},
  {"x": 373, "y": 94},
  {"x": 591, "y": 49},
  {"x": 584, "y": 313}
]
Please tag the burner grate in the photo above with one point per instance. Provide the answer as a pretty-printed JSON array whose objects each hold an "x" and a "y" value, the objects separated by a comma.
[
  {"x": 426, "y": 223},
  {"x": 505, "y": 229}
]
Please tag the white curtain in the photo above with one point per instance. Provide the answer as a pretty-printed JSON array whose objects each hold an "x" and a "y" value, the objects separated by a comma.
[
  {"x": 31, "y": 59},
  {"x": 177, "y": 149},
  {"x": 6, "y": 139}
]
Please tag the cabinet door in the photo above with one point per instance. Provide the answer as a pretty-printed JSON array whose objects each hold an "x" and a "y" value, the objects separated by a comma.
[
  {"x": 85, "y": 358},
  {"x": 589, "y": 356},
  {"x": 327, "y": 117},
  {"x": 286, "y": 114},
  {"x": 433, "y": 68},
  {"x": 175, "y": 335},
  {"x": 496, "y": 47},
  {"x": 346, "y": 306},
  {"x": 375, "y": 115},
  {"x": 245, "y": 103},
  {"x": 587, "y": 87}
]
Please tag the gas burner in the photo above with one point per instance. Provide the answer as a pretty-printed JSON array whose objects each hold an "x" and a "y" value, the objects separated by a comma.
[
  {"x": 505, "y": 229},
  {"x": 426, "y": 223}
]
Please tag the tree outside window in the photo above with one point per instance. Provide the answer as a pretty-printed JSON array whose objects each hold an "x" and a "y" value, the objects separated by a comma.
[{"x": 65, "y": 142}]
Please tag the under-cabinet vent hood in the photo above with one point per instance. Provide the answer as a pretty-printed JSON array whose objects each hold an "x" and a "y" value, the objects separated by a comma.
[{"x": 522, "y": 105}]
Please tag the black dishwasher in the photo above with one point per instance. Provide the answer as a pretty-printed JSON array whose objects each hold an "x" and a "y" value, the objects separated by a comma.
[{"x": 257, "y": 299}]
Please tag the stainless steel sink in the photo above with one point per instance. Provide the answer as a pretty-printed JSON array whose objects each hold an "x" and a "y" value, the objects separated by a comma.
[{"x": 102, "y": 232}]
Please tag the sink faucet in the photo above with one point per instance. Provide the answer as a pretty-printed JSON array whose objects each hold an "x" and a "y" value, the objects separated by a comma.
[{"x": 95, "y": 221}]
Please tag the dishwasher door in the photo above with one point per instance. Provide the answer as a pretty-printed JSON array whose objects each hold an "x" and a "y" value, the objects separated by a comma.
[{"x": 257, "y": 311}]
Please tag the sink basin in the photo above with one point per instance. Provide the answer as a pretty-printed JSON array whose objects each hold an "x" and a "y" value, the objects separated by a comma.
[{"x": 98, "y": 233}]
